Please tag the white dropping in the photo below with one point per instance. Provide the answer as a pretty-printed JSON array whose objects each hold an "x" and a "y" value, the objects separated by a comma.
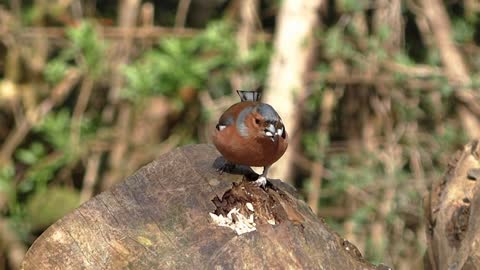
[{"x": 221, "y": 127}]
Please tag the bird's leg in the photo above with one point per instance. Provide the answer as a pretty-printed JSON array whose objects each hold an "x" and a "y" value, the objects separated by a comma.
[
  {"x": 262, "y": 179},
  {"x": 226, "y": 167}
]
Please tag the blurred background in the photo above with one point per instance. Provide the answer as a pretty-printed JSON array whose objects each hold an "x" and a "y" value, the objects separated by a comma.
[{"x": 377, "y": 95}]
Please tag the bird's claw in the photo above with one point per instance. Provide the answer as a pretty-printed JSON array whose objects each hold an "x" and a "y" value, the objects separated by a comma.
[
  {"x": 261, "y": 181},
  {"x": 226, "y": 167}
]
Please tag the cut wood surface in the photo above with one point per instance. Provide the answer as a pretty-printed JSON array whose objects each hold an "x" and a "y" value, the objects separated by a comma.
[
  {"x": 452, "y": 209},
  {"x": 159, "y": 218}
]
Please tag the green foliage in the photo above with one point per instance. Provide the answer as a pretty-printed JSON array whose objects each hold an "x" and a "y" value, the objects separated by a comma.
[
  {"x": 352, "y": 5},
  {"x": 32, "y": 155},
  {"x": 7, "y": 185},
  {"x": 450, "y": 136},
  {"x": 89, "y": 47},
  {"x": 315, "y": 144},
  {"x": 46, "y": 206},
  {"x": 55, "y": 128},
  {"x": 43, "y": 171},
  {"x": 43, "y": 158},
  {"x": 163, "y": 71},
  {"x": 336, "y": 45},
  {"x": 433, "y": 58},
  {"x": 181, "y": 62},
  {"x": 194, "y": 62},
  {"x": 86, "y": 49},
  {"x": 346, "y": 172},
  {"x": 407, "y": 112},
  {"x": 463, "y": 31},
  {"x": 376, "y": 47},
  {"x": 55, "y": 70},
  {"x": 404, "y": 59},
  {"x": 55, "y": 132},
  {"x": 257, "y": 61},
  {"x": 445, "y": 88},
  {"x": 384, "y": 32}
]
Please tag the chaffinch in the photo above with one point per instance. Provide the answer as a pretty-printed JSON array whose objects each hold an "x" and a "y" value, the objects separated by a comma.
[{"x": 251, "y": 133}]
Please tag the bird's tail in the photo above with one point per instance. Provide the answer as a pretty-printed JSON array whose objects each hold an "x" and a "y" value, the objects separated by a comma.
[{"x": 249, "y": 95}]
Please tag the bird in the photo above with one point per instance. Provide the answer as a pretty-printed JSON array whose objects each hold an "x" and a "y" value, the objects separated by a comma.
[{"x": 250, "y": 133}]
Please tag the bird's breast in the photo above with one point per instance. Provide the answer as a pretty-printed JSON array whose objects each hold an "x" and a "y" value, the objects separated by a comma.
[{"x": 250, "y": 151}]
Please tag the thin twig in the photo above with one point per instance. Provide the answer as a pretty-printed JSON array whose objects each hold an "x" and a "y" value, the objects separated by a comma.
[
  {"x": 128, "y": 11},
  {"x": 422, "y": 83},
  {"x": 245, "y": 37},
  {"x": 147, "y": 12},
  {"x": 77, "y": 10},
  {"x": 14, "y": 247},
  {"x": 80, "y": 107},
  {"x": 182, "y": 11},
  {"x": 316, "y": 185},
  {"x": 112, "y": 32},
  {"x": 91, "y": 177},
  {"x": 328, "y": 104},
  {"x": 119, "y": 148}
]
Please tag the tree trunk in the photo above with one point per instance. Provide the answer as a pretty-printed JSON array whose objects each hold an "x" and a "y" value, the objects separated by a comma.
[
  {"x": 293, "y": 48},
  {"x": 168, "y": 216},
  {"x": 452, "y": 210}
]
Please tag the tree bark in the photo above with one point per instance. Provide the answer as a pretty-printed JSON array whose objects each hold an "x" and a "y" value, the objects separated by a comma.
[
  {"x": 452, "y": 210},
  {"x": 293, "y": 48},
  {"x": 162, "y": 217}
]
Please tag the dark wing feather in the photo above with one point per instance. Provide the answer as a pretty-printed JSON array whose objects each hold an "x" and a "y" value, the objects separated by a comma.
[
  {"x": 225, "y": 120},
  {"x": 249, "y": 95}
]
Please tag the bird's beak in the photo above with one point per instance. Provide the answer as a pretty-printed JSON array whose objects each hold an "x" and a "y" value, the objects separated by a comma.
[{"x": 271, "y": 132}]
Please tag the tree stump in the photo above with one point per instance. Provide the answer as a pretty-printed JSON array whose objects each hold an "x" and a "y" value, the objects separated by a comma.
[
  {"x": 167, "y": 216},
  {"x": 452, "y": 210}
]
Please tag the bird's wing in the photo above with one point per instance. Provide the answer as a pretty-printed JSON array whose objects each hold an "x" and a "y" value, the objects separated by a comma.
[{"x": 225, "y": 120}]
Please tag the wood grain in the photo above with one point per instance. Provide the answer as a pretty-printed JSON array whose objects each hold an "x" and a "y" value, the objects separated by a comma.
[{"x": 159, "y": 219}]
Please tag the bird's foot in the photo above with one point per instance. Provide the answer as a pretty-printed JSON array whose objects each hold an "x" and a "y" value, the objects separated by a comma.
[
  {"x": 261, "y": 181},
  {"x": 226, "y": 167}
]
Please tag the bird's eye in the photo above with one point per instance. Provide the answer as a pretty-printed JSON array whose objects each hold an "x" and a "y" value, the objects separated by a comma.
[{"x": 257, "y": 121}]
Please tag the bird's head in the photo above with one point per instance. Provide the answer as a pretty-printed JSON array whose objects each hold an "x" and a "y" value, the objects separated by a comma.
[{"x": 267, "y": 123}]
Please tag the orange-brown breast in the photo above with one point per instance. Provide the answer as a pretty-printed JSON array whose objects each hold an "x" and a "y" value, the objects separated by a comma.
[{"x": 251, "y": 150}]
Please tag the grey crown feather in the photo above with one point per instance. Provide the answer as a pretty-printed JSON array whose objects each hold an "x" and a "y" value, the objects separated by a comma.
[
  {"x": 249, "y": 95},
  {"x": 268, "y": 112}
]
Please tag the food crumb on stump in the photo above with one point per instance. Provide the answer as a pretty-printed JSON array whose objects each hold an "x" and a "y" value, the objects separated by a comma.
[
  {"x": 246, "y": 205},
  {"x": 235, "y": 221}
]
